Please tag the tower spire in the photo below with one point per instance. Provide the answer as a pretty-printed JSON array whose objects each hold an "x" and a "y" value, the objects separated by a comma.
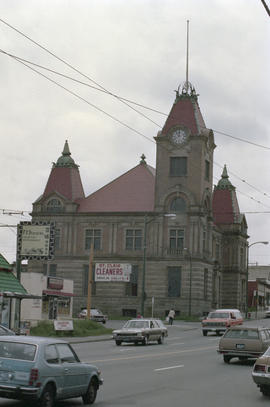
[
  {"x": 187, "y": 54},
  {"x": 186, "y": 88}
]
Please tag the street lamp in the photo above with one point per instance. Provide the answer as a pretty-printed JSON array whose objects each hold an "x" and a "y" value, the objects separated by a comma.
[
  {"x": 167, "y": 215},
  {"x": 248, "y": 246},
  {"x": 190, "y": 283}
]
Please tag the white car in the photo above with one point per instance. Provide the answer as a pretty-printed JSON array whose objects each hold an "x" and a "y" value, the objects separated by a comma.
[
  {"x": 141, "y": 331},
  {"x": 95, "y": 315},
  {"x": 267, "y": 313}
]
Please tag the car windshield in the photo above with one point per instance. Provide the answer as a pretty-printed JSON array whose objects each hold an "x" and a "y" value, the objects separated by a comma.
[
  {"x": 242, "y": 334},
  {"x": 22, "y": 351},
  {"x": 219, "y": 315},
  {"x": 136, "y": 324}
]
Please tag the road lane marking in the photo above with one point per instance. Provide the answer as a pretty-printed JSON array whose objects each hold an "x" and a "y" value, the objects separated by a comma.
[
  {"x": 144, "y": 356},
  {"x": 168, "y": 368},
  {"x": 177, "y": 343}
]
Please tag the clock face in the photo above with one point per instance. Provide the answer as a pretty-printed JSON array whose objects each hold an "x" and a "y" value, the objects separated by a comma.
[{"x": 179, "y": 136}]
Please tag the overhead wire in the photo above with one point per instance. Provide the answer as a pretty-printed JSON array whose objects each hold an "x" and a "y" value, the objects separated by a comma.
[
  {"x": 99, "y": 109},
  {"x": 101, "y": 88}
]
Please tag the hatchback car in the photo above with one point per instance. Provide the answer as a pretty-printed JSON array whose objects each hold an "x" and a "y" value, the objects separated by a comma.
[
  {"x": 44, "y": 370},
  {"x": 244, "y": 342},
  {"x": 141, "y": 331},
  {"x": 95, "y": 315},
  {"x": 261, "y": 373}
]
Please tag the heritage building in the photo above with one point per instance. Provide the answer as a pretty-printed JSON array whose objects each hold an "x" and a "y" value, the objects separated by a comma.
[{"x": 186, "y": 242}]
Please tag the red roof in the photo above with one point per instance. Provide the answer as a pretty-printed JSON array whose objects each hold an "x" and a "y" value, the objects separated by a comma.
[
  {"x": 131, "y": 192},
  {"x": 225, "y": 207},
  {"x": 185, "y": 112},
  {"x": 66, "y": 181}
]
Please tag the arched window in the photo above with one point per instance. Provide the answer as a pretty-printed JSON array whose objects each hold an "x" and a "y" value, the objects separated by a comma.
[
  {"x": 178, "y": 205},
  {"x": 54, "y": 205}
]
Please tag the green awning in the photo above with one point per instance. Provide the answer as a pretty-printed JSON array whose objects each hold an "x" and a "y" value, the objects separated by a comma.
[
  {"x": 4, "y": 265},
  {"x": 9, "y": 283}
]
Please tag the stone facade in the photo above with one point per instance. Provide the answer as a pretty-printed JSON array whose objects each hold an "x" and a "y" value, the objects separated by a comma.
[{"x": 167, "y": 223}]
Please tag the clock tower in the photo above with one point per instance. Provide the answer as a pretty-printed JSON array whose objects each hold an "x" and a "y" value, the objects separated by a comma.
[{"x": 184, "y": 169}]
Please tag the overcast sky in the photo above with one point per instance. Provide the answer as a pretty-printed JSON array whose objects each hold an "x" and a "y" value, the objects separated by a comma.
[{"x": 137, "y": 50}]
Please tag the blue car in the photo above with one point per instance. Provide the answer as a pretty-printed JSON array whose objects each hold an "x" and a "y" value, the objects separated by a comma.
[{"x": 45, "y": 370}]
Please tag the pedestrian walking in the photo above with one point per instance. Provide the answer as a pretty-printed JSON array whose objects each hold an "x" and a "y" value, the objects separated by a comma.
[{"x": 171, "y": 316}]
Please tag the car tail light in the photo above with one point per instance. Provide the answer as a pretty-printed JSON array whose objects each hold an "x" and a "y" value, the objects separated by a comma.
[
  {"x": 33, "y": 376},
  {"x": 260, "y": 368}
]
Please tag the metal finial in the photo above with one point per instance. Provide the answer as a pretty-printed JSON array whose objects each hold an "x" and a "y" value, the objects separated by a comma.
[{"x": 143, "y": 159}]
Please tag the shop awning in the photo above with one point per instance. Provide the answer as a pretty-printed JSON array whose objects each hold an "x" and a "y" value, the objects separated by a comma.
[
  {"x": 57, "y": 293},
  {"x": 9, "y": 283}
]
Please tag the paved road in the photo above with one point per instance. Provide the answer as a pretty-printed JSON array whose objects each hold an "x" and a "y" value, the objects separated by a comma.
[{"x": 186, "y": 371}]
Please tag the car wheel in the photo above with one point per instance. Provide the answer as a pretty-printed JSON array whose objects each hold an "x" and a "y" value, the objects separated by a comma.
[
  {"x": 90, "y": 396},
  {"x": 265, "y": 390},
  {"x": 47, "y": 397},
  {"x": 161, "y": 340},
  {"x": 204, "y": 333},
  {"x": 226, "y": 358},
  {"x": 118, "y": 343},
  {"x": 146, "y": 340}
]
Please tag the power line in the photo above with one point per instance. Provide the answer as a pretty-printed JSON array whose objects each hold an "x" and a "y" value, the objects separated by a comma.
[
  {"x": 266, "y": 7},
  {"x": 245, "y": 182},
  {"x": 19, "y": 59},
  {"x": 26, "y": 62}
]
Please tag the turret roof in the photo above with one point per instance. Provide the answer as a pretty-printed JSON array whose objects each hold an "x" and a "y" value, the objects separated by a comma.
[
  {"x": 225, "y": 204},
  {"x": 65, "y": 177}
]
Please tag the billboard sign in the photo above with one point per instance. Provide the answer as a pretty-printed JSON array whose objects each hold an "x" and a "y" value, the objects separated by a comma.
[
  {"x": 112, "y": 272},
  {"x": 35, "y": 240}
]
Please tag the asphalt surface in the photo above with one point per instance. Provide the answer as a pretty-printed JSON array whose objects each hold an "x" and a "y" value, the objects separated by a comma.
[{"x": 186, "y": 326}]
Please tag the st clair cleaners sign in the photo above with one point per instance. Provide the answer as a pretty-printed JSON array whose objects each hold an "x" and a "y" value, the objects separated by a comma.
[{"x": 112, "y": 272}]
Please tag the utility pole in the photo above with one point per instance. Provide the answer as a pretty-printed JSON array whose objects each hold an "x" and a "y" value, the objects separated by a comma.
[{"x": 89, "y": 291}]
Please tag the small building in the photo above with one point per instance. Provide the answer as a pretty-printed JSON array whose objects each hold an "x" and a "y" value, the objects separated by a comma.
[
  {"x": 53, "y": 298},
  {"x": 11, "y": 294}
]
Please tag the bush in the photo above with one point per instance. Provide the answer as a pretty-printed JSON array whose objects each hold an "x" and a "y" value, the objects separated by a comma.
[{"x": 80, "y": 328}]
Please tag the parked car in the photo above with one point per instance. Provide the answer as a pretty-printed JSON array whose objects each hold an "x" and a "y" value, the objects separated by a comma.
[
  {"x": 244, "y": 342},
  {"x": 267, "y": 313},
  {"x": 44, "y": 370},
  {"x": 141, "y": 331},
  {"x": 95, "y": 315},
  {"x": 220, "y": 320},
  {"x": 261, "y": 373},
  {"x": 6, "y": 331}
]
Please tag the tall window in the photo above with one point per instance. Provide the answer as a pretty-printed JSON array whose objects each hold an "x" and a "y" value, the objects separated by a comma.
[
  {"x": 178, "y": 166},
  {"x": 204, "y": 240},
  {"x": 205, "y": 283},
  {"x": 177, "y": 239},
  {"x": 242, "y": 257},
  {"x": 54, "y": 205},
  {"x": 207, "y": 170},
  {"x": 57, "y": 238},
  {"x": 85, "y": 276},
  {"x": 217, "y": 250},
  {"x": 174, "y": 281},
  {"x": 133, "y": 239},
  {"x": 178, "y": 205},
  {"x": 93, "y": 235},
  {"x": 49, "y": 269},
  {"x": 132, "y": 285}
]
